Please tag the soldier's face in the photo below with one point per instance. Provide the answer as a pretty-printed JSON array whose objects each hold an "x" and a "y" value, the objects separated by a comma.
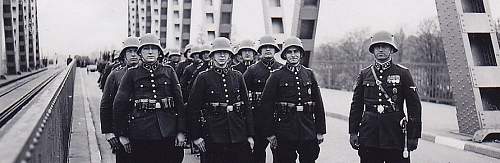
[
  {"x": 150, "y": 53},
  {"x": 292, "y": 55},
  {"x": 247, "y": 54},
  {"x": 131, "y": 56},
  {"x": 175, "y": 58},
  {"x": 196, "y": 58},
  {"x": 382, "y": 52},
  {"x": 221, "y": 58},
  {"x": 205, "y": 56},
  {"x": 267, "y": 51}
]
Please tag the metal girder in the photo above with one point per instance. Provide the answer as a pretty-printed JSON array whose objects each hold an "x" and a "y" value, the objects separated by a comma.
[
  {"x": 472, "y": 56},
  {"x": 305, "y": 19}
]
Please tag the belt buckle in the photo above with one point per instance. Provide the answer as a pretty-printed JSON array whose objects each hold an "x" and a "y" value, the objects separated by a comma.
[
  {"x": 229, "y": 108},
  {"x": 380, "y": 108},
  {"x": 157, "y": 105},
  {"x": 300, "y": 108}
]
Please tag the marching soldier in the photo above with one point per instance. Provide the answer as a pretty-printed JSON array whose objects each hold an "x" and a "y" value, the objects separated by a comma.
[
  {"x": 247, "y": 51},
  {"x": 293, "y": 108},
  {"x": 148, "y": 111},
  {"x": 189, "y": 75},
  {"x": 128, "y": 58},
  {"x": 377, "y": 121},
  {"x": 173, "y": 58},
  {"x": 255, "y": 77},
  {"x": 182, "y": 65},
  {"x": 219, "y": 98}
]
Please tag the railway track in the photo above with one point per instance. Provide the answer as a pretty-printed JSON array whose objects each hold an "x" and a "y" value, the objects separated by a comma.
[{"x": 10, "y": 111}]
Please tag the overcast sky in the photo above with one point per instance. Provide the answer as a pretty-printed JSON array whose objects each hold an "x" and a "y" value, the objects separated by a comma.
[{"x": 85, "y": 26}]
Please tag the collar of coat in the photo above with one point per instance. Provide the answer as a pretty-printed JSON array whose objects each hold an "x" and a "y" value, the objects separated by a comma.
[
  {"x": 383, "y": 66},
  {"x": 150, "y": 66}
]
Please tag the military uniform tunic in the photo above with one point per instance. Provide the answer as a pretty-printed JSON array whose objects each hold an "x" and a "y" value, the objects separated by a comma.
[
  {"x": 148, "y": 104},
  {"x": 292, "y": 103},
  {"x": 371, "y": 114},
  {"x": 213, "y": 91},
  {"x": 242, "y": 67},
  {"x": 106, "y": 108}
]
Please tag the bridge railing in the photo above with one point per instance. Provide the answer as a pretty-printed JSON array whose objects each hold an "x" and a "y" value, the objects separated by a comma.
[
  {"x": 431, "y": 79},
  {"x": 42, "y": 130}
]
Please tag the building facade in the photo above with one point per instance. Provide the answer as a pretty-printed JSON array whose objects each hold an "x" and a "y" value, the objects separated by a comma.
[{"x": 19, "y": 37}]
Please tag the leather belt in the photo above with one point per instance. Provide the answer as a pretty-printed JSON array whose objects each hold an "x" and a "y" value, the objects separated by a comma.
[
  {"x": 381, "y": 109},
  {"x": 153, "y": 104},
  {"x": 297, "y": 107},
  {"x": 229, "y": 107}
]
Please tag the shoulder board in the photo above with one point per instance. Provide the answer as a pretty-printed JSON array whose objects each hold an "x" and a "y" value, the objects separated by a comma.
[
  {"x": 402, "y": 66},
  {"x": 307, "y": 68},
  {"x": 133, "y": 67}
]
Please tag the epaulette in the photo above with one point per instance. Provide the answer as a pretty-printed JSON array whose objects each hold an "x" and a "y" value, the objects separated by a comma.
[
  {"x": 133, "y": 67},
  {"x": 402, "y": 66}
]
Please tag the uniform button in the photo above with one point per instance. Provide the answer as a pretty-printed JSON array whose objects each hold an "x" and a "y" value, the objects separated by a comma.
[
  {"x": 154, "y": 96},
  {"x": 381, "y": 71},
  {"x": 258, "y": 81},
  {"x": 227, "y": 96},
  {"x": 225, "y": 90},
  {"x": 227, "y": 101},
  {"x": 298, "y": 88},
  {"x": 152, "y": 81},
  {"x": 269, "y": 68},
  {"x": 379, "y": 94},
  {"x": 151, "y": 71},
  {"x": 379, "y": 100},
  {"x": 296, "y": 73},
  {"x": 298, "y": 82},
  {"x": 380, "y": 77},
  {"x": 142, "y": 86},
  {"x": 299, "y": 93},
  {"x": 300, "y": 98},
  {"x": 165, "y": 82},
  {"x": 223, "y": 75},
  {"x": 297, "y": 78},
  {"x": 223, "y": 80},
  {"x": 225, "y": 85},
  {"x": 153, "y": 85},
  {"x": 152, "y": 75},
  {"x": 154, "y": 91}
]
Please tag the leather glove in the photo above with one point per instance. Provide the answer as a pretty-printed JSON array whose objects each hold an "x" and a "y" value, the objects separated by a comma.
[
  {"x": 353, "y": 140},
  {"x": 126, "y": 144},
  {"x": 320, "y": 138},
  {"x": 251, "y": 142},
  {"x": 273, "y": 141},
  {"x": 115, "y": 144},
  {"x": 181, "y": 140},
  {"x": 412, "y": 144},
  {"x": 200, "y": 143}
]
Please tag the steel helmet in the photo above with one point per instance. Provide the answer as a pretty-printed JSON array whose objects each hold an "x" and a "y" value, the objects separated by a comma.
[
  {"x": 292, "y": 42},
  {"x": 221, "y": 44},
  {"x": 382, "y": 37},
  {"x": 268, "y": 40},
  {"x": 205, "y": 48},
  {"x": 186, "y": 48},
  {"x": 246, "y": 44},
  {"x": 130, "y": 42},
  {"x": 195, "y": 49},
  {"x": 174, "y": 52},
  {"x": 150, "y": 39}
]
